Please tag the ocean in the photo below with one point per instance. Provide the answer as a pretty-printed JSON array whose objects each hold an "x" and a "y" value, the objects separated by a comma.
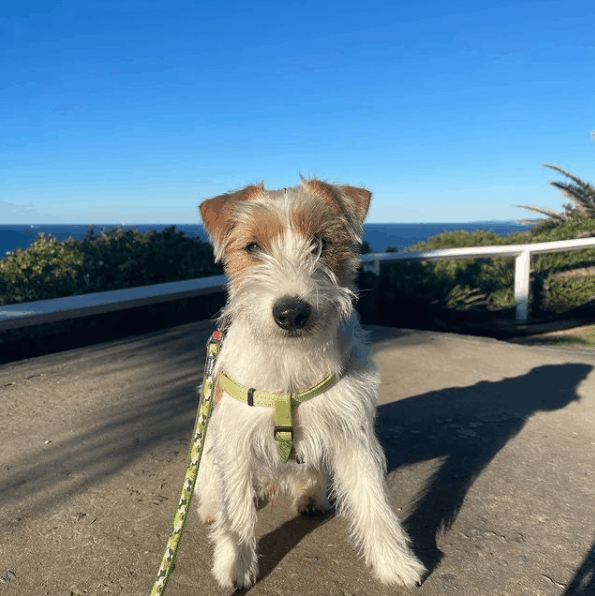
[{"x": 379, "y": 236}]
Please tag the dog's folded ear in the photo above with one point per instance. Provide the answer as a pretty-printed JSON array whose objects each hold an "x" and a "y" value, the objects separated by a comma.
[
  {"x": 351, "y": 201},
  {"x": 217, "y": 214},
  {"x": 359, "y": 199}
]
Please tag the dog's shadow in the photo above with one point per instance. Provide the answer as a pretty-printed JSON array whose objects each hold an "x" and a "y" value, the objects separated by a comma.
[
  {"x": 276, "y": 544},
  {"x": 463, "y": 427}
]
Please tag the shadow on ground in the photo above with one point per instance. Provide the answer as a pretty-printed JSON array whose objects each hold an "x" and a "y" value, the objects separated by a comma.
[
  {"x": 465, "y": 428},
  {"x": 140, "y": 393},
  {"x": 583, "y": 583}
]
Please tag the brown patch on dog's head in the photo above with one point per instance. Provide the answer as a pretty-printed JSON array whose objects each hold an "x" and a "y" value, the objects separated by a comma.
[
  {"x": 253, "y": 234},
  {"x": 352, "y": 202},
  {"x": 217, "y": 215},
  {"x": 339, "y": 220},
  {"x": 320, "y": 221}
]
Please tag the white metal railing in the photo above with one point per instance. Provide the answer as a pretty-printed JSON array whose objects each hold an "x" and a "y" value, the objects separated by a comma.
[
  {"x": 521, "y": 252},
  {"x": 71, "y": 307},
  {"x": 57, "y": 309}
]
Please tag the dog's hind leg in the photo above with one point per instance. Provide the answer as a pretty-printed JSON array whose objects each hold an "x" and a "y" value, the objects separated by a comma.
[
  {"x": 312, "y": 496},
  {"x": 359, "y": 467}
]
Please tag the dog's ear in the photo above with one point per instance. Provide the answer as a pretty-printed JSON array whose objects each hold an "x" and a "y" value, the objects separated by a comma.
[
  {"x": 217, "y": 214},
  {"x": 359, "y": 198},
  {"x": 351, "y": 201}
]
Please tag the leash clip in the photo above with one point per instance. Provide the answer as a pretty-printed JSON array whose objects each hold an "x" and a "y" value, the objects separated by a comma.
[{"x": 213, "y": 346}]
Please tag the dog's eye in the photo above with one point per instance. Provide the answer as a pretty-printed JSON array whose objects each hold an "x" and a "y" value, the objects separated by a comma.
[
  {"x": 252, "y": 247},
  {"x": 319, "y": 243}
]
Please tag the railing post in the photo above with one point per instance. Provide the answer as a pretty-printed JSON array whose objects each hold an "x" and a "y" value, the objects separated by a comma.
[
  {"x": 376, "y": 269},
  {"x": 522, "y": 268},
  {"x": 372, "y": 267}
]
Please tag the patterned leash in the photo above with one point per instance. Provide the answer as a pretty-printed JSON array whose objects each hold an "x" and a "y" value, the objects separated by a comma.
[{"x": 203, "y": 415}]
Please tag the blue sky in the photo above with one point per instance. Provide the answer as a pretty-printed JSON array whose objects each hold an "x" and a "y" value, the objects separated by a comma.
[{"x": 118, "y": 111}]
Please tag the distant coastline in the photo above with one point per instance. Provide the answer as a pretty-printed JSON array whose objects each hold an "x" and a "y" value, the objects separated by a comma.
[{"x": 378, "y": 235}]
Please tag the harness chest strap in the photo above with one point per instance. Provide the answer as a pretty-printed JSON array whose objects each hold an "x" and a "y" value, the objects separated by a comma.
[{"x": 282, "y": 404}]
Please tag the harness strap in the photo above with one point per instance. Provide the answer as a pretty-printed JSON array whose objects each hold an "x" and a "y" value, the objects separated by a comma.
[
  {"x": 282, "y": 404},
  {"x": 283, "y": 431}
]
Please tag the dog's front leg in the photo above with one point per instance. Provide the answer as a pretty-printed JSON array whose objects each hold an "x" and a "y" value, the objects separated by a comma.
[
  {"x": 208, "y": 488},
  {"x": 235, "y": 561},
  {"x": 360, "y": 488}
]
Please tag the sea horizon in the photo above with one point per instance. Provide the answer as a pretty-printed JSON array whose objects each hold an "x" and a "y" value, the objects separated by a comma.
[{"x": 379, "y": 235}]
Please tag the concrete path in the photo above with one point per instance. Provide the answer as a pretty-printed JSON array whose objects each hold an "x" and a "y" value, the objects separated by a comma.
[{"x": 491, "y": 450}]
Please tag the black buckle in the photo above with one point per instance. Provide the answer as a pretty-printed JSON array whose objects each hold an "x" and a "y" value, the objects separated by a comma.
[{"x": 283, "y": 429}]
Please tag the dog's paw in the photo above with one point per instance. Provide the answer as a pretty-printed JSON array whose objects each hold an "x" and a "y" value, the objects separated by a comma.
[
  {"x": 313, "y": 510},
  {"x": 239, "y": 578},
  {"x": 404, "y": 570},
  {"x": 313, "y": 507},
  {"x": 244, "y": 584},
  {"x": 235, "y": 565},
  {"x": 246, "y": 572}
]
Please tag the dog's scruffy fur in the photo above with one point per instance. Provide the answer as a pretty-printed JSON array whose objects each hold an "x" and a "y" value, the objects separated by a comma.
[{"x": 291, "y": 256}]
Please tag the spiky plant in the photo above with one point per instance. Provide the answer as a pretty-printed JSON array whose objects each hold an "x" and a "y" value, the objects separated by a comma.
[{"x": 580, "y": 192}]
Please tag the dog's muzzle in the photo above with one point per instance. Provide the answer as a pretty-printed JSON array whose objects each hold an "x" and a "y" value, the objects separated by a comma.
[{"x": 291, "y": 313}]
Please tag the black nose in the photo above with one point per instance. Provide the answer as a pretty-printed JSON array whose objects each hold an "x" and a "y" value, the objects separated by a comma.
[{"x": 291, "y": 313}]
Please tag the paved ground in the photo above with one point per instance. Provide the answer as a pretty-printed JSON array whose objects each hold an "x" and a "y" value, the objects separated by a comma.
[
  {"x": 581, "y": 335},
  {"x": 491, "y": 451}
]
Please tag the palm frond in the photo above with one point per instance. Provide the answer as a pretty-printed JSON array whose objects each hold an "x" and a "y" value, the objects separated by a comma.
[
  {"x": 566, "y": 173},
  {"x": 582, "y": 191},
  {"x": 582, "y": 201},
  {"x": 545, "y": 211},
  {"x": 586, "y": 192}
]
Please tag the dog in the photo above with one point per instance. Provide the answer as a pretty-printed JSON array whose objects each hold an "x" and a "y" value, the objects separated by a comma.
[{"x": 291, "y": 257}]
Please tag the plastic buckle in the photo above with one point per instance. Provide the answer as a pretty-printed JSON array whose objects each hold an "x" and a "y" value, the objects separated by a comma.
[{"x": 283, "y": 429}]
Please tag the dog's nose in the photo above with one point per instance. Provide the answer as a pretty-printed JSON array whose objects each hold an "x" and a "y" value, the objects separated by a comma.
[{"x": 291, "y": 313}]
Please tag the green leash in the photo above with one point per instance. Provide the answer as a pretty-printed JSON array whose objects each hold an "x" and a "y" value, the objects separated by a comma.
[{"x": 196, "y": 446}]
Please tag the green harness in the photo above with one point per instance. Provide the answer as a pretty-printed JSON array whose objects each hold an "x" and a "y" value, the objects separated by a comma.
[{"x": 283, "y": 433}]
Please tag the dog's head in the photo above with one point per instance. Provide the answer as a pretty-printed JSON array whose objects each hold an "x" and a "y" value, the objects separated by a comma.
[{"x": 296, "y": 248}]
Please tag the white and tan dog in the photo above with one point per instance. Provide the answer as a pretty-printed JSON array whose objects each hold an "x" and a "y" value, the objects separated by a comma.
[{"x": 291, "y": 256}]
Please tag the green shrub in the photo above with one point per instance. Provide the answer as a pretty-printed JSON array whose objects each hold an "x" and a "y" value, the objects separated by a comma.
[
  {"x": 479, "y": 284},
  {"x": 47, "y": 269},
  {"x": 105, "y": 260}
]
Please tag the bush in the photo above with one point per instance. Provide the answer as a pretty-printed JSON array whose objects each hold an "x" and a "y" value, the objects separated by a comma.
[
  {"x": 480, "y": 284},
  {"x": 47, "y": 269},
  {"x": 109, "y": 260}
]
